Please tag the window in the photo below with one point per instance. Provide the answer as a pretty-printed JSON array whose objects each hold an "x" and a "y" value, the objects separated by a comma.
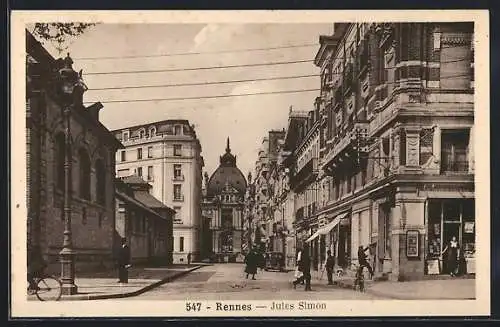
[
  {"x": 84, "y": 216},
  {"x": 142, "y": 133},
  {"x": 123, "y": 155},
  {"x": 437, "y": 41},
  {"x": 181, "y": 244},
  {"x": 84, "y": 161},
  {"x": 150, "y": 152},
  {"x": 454, "y": 148},
  {"x": 125, "y": 136},
  {"x": 100, "y": 182},
  {"x": 152, "y": 131},
  {"x": 150, "y": 173},
  {"x": 139, "y": 153},
  {"x": 177, "y": 172},
  {"x": 178, "y": 215},
  {"x": 177, "y": 192},
  {"x": 139, "y": 171},
  {"x": 60, "y": 158},
  {"x": 177, "y": 149},
  {"x": 177, "y": 129}
]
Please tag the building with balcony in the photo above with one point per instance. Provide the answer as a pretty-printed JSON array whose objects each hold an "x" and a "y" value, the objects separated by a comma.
[
  {"x": 397, "y": 108},
  {"x": 264, "y": 224},
  {"x": 223, "y": 207},
  {"x": 90, "y": 148},
  {"x": 300, "y": 161},
  {"x": 167, "y": 154}
]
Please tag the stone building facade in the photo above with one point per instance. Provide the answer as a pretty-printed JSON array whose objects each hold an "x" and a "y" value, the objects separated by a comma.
[
  {"x": 397, "y": 117},
  {"x": 223, "y": 207},
  {"x": 167, "y": 154},
  {"x": 92, "y": 149},
  {"x": 144, "y": 221}
]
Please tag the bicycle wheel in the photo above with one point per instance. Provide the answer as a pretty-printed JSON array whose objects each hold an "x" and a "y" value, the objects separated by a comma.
[{"x": 49, "y": 289}]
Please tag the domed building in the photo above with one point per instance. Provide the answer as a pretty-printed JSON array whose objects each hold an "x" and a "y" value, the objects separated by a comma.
[{"x": 223, "y": 203}]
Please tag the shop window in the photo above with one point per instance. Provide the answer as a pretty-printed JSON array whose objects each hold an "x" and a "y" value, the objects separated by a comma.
[{"x": 454, "y": 148}]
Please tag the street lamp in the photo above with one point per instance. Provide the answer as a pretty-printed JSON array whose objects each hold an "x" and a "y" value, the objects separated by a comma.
[{"x": 71, "y": 93}]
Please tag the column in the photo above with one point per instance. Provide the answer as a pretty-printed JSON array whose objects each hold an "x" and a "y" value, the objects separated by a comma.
[
  {"x": 436, "y": 146},
  {"x": 413, "y": 147}
]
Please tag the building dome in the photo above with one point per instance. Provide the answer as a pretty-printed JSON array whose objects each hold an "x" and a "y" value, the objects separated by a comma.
[{"x": 227, "y": 174}]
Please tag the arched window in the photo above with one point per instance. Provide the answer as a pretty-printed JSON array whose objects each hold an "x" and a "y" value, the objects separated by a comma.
[
  {"x": 152, "y": 131},
  {"x": 142, "y": 133},
  {"x": 60, "y": 146},
  {"x": 84, "y": 160},
  {"x": 100, "y": 185}
]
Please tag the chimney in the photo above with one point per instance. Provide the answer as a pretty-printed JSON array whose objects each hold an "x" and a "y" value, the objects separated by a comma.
[{"x": 94, "y": 110}]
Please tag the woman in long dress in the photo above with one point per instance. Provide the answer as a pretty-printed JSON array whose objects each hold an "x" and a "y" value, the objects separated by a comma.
[
  {"x": 451, "y": 251},
  {"x": 251, "y": 264}
]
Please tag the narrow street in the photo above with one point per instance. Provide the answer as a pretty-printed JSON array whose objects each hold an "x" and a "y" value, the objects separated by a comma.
[{"x": 227, "y": 282}]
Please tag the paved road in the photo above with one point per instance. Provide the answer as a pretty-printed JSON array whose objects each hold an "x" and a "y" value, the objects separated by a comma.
[{"x": 227, "y": 282}]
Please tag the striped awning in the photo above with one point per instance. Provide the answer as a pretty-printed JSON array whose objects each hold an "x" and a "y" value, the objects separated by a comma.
[{"x": 333, "y": 223}]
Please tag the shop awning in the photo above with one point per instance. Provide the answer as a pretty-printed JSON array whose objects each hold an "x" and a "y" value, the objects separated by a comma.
[
  {"x": 333, "y": 223},
  {"x": 313, "y": 236}
]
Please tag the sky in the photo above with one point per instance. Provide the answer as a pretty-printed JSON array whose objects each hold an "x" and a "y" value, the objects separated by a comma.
[{"x": 245, "y": 120}]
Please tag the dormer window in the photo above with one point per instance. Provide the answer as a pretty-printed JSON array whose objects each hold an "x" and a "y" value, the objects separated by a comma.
[
  {"x": 142, "y": 133},
  {"x": 152, "y": 131},
  {"x": 125, "y": 136},
  {"x": 177, "y": 130}
]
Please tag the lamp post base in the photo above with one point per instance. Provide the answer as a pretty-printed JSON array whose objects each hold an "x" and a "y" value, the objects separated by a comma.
[{"x": 67, "y": 258}]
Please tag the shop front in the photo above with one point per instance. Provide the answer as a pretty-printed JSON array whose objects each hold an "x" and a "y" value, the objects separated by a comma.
[{"x": 447, "y": 219}]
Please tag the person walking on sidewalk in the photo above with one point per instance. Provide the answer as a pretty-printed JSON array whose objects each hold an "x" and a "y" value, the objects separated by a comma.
[
  {"x": 189, "y": 258},
  {"x": 305, "y": 268},
  {"x": 251, "y": 261},
  {"x": 123, "y": 262},
  {"x": 363, "y": 262},
  {"x": 452, "y": 255},
  {"x": 329, "y": 265}
]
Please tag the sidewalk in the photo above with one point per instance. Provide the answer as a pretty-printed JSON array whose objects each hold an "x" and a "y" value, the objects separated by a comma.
[
  {"x": 449, "y": 289},
  {"x": 104, "y": 285}
]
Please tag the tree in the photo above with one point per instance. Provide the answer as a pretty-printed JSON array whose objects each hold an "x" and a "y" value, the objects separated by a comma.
[{"x": 59, "y": 33}]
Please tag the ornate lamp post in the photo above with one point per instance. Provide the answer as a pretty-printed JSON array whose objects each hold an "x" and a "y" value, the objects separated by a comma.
[{"x": 72, "y": 90}]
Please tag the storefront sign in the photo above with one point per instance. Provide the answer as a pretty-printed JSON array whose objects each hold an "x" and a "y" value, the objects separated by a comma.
[
  {"x": 412, "y": 243},
  {"x": 469, "y": 227},
  {"x": 433, "y": 267}
]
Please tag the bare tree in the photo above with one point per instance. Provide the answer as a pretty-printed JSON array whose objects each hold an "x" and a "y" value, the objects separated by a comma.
[{"x": 59, "y": 33}]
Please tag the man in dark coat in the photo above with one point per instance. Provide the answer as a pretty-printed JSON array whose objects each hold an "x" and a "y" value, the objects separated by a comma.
[
  {"x": 305, "y": 268},
  {"x": 251, "y": 261},
  {"x": 123, "y": 261},
  {"x": 330, "y": 263}
]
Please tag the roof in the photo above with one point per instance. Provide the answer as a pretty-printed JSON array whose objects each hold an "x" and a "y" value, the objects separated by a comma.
[
  {"x": 149, "y": 200},
  {"x": 138, "y": 204}
]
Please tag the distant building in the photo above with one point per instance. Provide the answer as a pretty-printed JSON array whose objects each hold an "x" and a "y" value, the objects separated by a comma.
[
  {"x": 144, "y": 221},
  {"x": 223, "y": 206},
  {"x": 92, "y": 149},
  {"x": 167, "y": 154}
]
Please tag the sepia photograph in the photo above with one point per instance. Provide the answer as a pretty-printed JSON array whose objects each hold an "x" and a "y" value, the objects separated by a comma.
[{"x": 250, "y": 164}]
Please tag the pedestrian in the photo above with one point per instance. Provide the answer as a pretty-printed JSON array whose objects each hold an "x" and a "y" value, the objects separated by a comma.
[
  {"x": 305, "y": 268},
  {"x": 251, "y": 262},
  {"x": 123, "y": 261},
  {"x": 363, "y": 262},
  {"x": 451, "y": 250},
  {"x": 189, "y": 258},
  {"x": 329, "y": 265}
]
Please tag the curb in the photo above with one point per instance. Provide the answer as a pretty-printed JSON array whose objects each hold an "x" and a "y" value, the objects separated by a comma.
[
  {"x": 129, "y": 294},
  {"x": 369, "y": 290}
]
